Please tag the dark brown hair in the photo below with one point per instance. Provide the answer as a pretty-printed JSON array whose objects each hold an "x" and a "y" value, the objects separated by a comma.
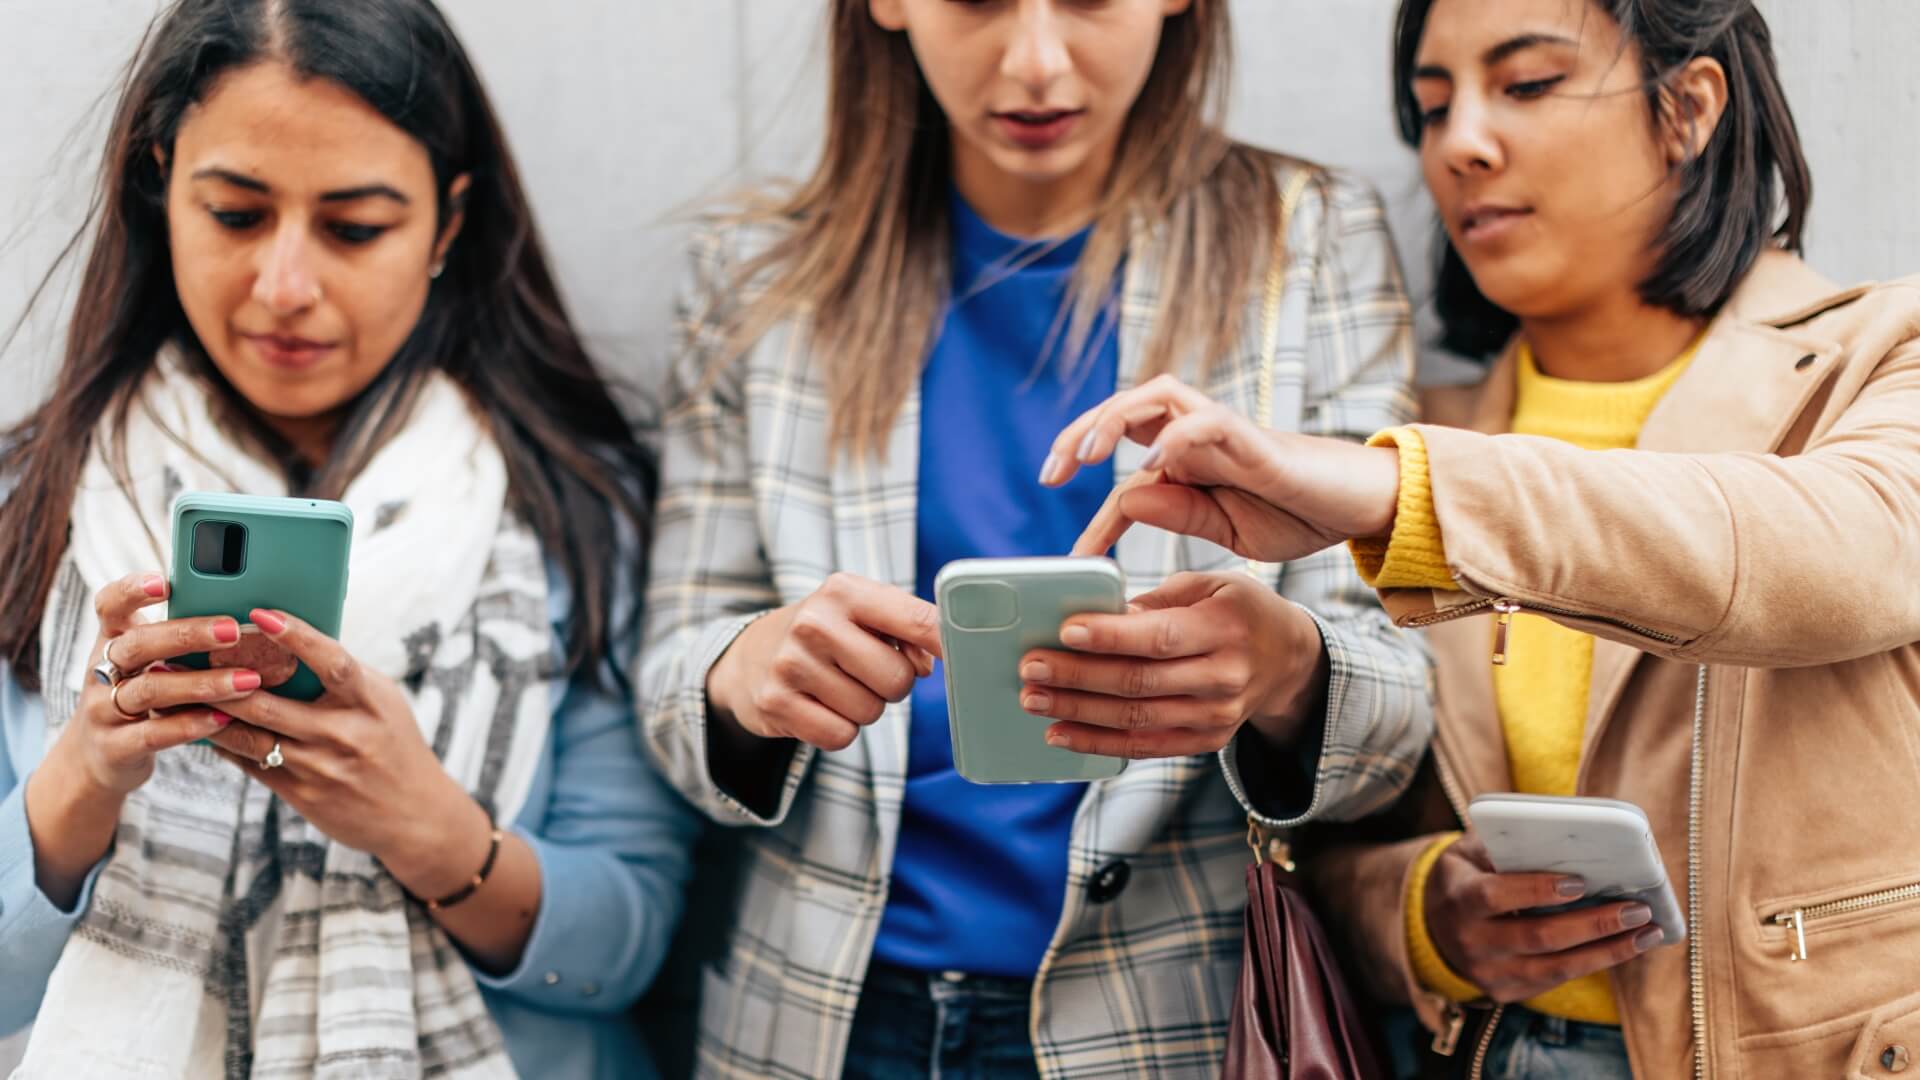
[
  {"x": 1747, "y": 191},
  {"x": 493, "y": 321}
]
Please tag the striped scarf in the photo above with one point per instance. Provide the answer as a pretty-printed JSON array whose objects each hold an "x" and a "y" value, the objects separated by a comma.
[{"x": 226, "y": 935}]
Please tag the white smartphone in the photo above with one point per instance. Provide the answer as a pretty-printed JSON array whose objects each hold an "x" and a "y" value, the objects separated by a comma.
[
  {"x": 1605, "y": 842},
  {"x": 992, "y": 613}
]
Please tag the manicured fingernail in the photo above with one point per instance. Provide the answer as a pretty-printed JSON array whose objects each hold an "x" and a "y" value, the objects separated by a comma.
[
  {"x": 1036, "y": 702},
  {"x": 226, "y": 632},
  {"x": 1075, "y": 637},
  {"x": 1085, "y": 452},
  {"x": 1054, "y": 738},
  {"x": 1152, "y": 460},
  {"x": 246, "y": 681},
  {"x": 1651, "y": 938},
  {"x": 268, "y": 621},
  {"x": 221, "y": 719},
  {"x": 1049, "y": 468},
  {"x": 1637, "y": 915},
  {"x": 1036, "y": 671},
  {"x": 154, "y": 585},
  {"x": 1572, "y": 888}
]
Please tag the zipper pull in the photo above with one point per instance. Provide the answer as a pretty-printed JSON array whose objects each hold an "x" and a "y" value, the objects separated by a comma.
[
  {"x": 1797, "y": 919},
  {"x": 1502, "y": 622},
  {"x": 1447, "y": 1039}
]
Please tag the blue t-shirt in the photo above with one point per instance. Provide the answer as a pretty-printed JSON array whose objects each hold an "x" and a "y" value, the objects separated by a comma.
[{"x": 980, "y": 874}]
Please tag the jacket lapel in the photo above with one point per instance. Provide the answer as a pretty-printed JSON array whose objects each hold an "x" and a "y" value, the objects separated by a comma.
[
  {"x": 1743, "y": 392},
  {"x": 875, "y": 518}
]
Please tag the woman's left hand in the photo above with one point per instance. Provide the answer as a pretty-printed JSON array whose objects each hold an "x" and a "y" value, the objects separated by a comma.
[
  {"x": 1180, "y": 672},
  {"x": 355, "y": 764}
]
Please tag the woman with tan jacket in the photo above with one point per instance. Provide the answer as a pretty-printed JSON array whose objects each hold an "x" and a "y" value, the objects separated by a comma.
[{"x": 1666, "y": 554}]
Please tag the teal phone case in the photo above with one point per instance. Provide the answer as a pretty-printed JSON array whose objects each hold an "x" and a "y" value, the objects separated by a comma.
[
  {"x": 992, "y": 612},
  {"x": 295, "y": 561}
]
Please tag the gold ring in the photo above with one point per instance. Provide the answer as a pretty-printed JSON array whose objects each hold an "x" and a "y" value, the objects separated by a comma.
[{"x": 113, "y": 698}]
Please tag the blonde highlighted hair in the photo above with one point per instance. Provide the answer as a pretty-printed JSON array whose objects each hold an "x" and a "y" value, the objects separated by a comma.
[{"x": 863, "y": 246}]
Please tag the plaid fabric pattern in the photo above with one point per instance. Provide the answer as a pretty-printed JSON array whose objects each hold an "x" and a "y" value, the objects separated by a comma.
[{"x": 755, "y": 513}]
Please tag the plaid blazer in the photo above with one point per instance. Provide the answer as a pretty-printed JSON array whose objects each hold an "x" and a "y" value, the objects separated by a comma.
[{"x": 755, "y": 513}]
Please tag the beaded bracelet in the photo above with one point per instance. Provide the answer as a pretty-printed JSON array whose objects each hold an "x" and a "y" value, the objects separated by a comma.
[{"x": 467, "y": 890}]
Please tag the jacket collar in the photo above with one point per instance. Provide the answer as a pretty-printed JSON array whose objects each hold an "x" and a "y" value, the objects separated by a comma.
[{"x": 1754, "y": 375}]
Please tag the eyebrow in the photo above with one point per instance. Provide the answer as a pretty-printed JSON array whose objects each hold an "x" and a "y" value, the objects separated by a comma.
[
  {"x": 353, "y": 194},
  {"x": 1498, "y": 53}
]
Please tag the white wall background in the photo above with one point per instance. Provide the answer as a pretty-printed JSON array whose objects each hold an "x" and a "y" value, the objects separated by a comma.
[{"x": 626, "y": 114}]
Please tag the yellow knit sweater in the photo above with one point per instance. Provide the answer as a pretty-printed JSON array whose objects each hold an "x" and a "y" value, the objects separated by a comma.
[{"x": 1542, "y": 689}]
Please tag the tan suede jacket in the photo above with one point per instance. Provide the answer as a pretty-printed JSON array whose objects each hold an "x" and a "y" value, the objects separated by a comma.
[{"x": 1754, "y": 579}]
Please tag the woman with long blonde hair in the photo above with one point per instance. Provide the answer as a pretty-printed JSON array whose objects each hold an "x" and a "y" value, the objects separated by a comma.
[{"x": 1021, "y": 207}]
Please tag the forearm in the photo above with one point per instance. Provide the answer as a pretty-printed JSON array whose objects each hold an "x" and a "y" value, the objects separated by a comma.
[
  {"x": 493, "y": 923},
  {"x": 72, "y": 823}
]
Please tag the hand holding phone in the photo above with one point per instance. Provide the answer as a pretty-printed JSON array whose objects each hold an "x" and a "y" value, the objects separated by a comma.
[
  {"x": 820, "y": 670},
  {"x": 1547, "y": 890}
]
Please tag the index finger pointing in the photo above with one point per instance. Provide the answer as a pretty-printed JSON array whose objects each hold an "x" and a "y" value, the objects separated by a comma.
[{"x": 1110, "y": 523}]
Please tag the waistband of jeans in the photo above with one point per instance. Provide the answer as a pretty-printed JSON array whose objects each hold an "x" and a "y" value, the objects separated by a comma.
[{"x": 946, "y": 985}]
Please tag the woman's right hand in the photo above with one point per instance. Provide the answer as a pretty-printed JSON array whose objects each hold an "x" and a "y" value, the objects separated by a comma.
[
  {"x": 163, "y": 707},
  {"x": 1487, "y": 931},
  {"x": 1215, "y": 474},
  {"x": 73, "y": 798},
  {"x": 822, "y": 669}
]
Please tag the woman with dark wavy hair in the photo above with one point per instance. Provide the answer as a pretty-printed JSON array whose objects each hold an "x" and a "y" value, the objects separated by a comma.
[{"x": 312, "y": 270}]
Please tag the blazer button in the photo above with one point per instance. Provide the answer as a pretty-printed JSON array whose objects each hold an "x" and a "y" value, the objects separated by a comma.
[
  {"x": 1109, "y": 881},
  {"x": 1896, "y": 1059}
]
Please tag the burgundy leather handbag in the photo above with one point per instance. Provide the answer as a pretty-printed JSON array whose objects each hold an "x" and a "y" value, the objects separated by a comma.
[{"x": 1293, "y": 1018}]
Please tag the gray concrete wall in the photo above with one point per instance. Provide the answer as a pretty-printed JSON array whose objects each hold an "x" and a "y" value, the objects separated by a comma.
[{"x": 626, "y": 114}]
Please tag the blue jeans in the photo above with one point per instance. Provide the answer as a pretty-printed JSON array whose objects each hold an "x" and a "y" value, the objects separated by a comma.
[
  {"x": 1529, "y": 1046},
  {"x": 940, "y": 1026}
]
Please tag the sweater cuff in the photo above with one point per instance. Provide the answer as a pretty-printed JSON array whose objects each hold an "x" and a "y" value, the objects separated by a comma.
[
  {"x": 1414, "y": 556},
  {"x": 1433, "y": 972}
]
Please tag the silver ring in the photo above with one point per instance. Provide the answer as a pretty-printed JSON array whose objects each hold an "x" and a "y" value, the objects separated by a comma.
[
  {"x": 274, "y": 758},
  {"x": 108, "y": 672}
]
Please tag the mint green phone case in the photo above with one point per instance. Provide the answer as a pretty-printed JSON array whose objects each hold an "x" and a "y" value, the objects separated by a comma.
[
  {"x": 295, "y": 561},
  {"x": 992, "y": 612}
]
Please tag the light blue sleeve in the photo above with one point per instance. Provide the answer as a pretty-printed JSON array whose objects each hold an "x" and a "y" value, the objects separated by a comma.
[
  {"x": 32, "y": 930},
  {"x": 615, "y": 847}
]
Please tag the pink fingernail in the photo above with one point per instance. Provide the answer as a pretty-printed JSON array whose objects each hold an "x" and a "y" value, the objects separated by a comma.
[
  {"x": 154, "y": 585},
  {"x": 1152, "y": 460},
  {"x": 1087, "y": 445},
  {"x": 221, "y": 718},
  {"x": 1037, "y": 671},
  {"x": 226, "y": 632},
  {"x": 1057, "y": 739},
  {"x": 1049, "y": 468},
  {"x": 1076, "y": 637},
  {"x": 246, "y": 681},
  {"x": 1037, "y": 702},
  {"x": 268, "y": 621}
]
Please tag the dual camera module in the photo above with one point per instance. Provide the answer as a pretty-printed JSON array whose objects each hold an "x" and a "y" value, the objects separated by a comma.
[{"x": 219, "y": 548}]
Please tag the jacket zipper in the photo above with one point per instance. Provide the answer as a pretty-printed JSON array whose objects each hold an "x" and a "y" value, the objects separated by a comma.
[
  {"x": 1486, "y": 1044},
  {"x": 1505, "y": 607},
  {"x": 1696, "y": 963},
  {"x": 1798, "y": 918}
]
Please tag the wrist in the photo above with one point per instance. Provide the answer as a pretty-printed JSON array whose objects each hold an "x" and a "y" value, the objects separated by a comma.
[
  {"x": 1300, "y": 691},
  {"x": 443, "y": 849},
  {"x": 71, "y": 822}
]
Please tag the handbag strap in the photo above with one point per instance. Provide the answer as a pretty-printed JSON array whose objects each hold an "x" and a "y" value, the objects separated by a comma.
[
  {"x": 1266, "y": 846},
  {"x": 1296, "y": 186},
  {"x": 1276, "y": 285}
]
